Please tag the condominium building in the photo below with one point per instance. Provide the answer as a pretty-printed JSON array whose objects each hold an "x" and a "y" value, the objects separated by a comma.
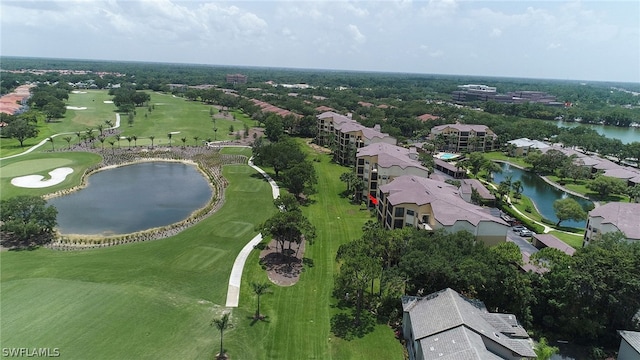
[
  {"x": 345, "y": 136},
  {"x": 612, "y": 217},
  {"x": 378, "y": 164},
  {"x": 428, "y": 204},
  {"x": 463, "y": 137}
]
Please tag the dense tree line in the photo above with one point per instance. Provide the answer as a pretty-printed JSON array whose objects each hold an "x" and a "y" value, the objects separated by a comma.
[
  {"x": 585, "y": 298},
  {"x": 26, "y": 222}
]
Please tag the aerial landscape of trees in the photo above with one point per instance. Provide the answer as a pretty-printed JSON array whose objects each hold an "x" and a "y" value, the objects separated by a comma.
[{"x": 585, "y": 298}]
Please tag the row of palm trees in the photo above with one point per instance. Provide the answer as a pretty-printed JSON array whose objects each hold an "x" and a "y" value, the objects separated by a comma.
[{"x": 89, "y": 136}]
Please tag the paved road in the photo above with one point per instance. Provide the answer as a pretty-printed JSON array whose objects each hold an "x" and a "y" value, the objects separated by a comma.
[{"x": 522, "y": 243}]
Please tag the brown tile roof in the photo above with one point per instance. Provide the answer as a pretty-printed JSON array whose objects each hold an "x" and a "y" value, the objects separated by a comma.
[
  {"x": 553, "y": 242},
  {"x": 468, "y": 184},
  {"x": 447, "y": 205},
  {"x": 427, "y": 117},
  {"x": 390, "y": 155}
]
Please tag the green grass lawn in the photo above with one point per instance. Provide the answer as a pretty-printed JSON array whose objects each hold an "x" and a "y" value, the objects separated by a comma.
[
  {"x": 144, "y": 300},
  {"x": 298, "y": 316},
  {"x": 156, "y": 299},
  {"x": 41, "y": 164},
  {"x": 499, "y": 155},
  {"x": 573, "y": 240}
]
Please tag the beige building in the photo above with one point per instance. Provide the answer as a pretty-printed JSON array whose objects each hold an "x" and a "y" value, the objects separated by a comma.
[
  {"x": 378, "y": 164},
  {"x": 345, "y": 136},
  {"x": 612, "y": 217},
  {"x": 463, "y": 137},
  {"x": 429, "y": 204}
]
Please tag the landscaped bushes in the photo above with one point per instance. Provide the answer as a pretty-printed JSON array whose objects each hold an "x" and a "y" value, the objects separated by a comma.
[{"x": 526, "y": 222}]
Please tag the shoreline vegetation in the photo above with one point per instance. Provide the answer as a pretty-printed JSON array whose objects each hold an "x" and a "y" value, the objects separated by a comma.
[{"x": 209, "y": 162}]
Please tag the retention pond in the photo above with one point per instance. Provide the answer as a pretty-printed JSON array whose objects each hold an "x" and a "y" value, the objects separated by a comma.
[{"x": 132, "y": 198}]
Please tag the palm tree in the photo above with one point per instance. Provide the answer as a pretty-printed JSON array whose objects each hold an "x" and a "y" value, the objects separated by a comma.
[
  {"x": 100, "y": 128},
  {"x": 517, "y": 188},
  {"x": 169, "y": 135},
  {"x": 50, "y": 139},
  {"x": 259, "y": 289},
  {"x": 101, "y": 139},
  {"x": 68, "y": 140},
  {"x": 135, "y": 140},
  {"x": 79, "y": 135},
  {"x": 129, "y": 138},
  {"x": 109, "y": 123},
  {"x": 184, "y": 141},
  {"x": 215, "y": 133},
  {"x": 195, "y": 139},
  {"x": 112, "y": 142},
  {"x": 221, "y": 324},
  {"x": 151, "y": 137}
]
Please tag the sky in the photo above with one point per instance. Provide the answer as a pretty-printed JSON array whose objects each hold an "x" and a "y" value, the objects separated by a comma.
[{"x": 577, "y": 40}]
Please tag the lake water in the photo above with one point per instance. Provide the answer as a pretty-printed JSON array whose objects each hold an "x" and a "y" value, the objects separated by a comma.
[
  {"x": 541, "y": 193},
  {"x": 626, "y": 135},
  {"x": 131, "y": 198}
]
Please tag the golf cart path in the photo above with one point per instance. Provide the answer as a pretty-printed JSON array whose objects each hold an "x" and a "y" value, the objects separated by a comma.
[
  {"x": 233, "y": 291},
  {"x": 117, "y": 125}
]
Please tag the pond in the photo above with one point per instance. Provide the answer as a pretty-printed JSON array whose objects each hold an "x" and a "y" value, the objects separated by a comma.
[
  {"x": 132, "y": 198},
  {"x": 542, "y": 194}
]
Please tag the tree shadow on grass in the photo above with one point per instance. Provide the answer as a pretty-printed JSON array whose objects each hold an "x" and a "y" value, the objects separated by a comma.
[
  {"x": 344, "y": 326},
  {"x": 262, "y": 318}
]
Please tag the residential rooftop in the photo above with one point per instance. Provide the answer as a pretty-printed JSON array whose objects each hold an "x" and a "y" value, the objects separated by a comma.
[
  {"x": 625, "y": 216},
  {"x": 391, "y": 155}
]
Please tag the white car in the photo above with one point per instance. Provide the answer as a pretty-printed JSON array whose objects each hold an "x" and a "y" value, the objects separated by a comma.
[{"x": 525, "y": 233}]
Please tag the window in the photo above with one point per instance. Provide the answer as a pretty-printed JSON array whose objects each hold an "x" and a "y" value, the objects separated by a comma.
[
  {"x": 425, "y": 218},
  {"x": 398, "y": 224},
  {"x": 399, "y": 212},
  {"x": 360, "y": 161},
  {"x": 410, "y": 212}
]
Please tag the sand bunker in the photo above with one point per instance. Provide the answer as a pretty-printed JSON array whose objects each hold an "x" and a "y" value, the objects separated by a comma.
[
  {"x": 78, "y": 92},
  {"x": 36, "y": 181},
  {"x": 108, "y": 102},
  {"x": 76, "y": 108}
]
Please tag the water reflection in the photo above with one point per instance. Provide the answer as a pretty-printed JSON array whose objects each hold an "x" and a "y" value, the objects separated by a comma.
[
  {"x": 542, "y": 194},
  {"x": 133, "y": 198}
]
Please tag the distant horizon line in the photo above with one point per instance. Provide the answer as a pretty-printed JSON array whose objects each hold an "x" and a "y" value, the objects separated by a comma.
[{"x": 317, "y": 69}]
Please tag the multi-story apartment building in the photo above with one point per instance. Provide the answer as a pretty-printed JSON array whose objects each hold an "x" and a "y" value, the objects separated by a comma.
[
  {"x": 463, "y": 137},
  {"x": 236, "y": 79},
  {"x": 345, "y": 136},
  {"x": 612, "y": 217},
  {"x": 377, "y": 164},
  {"x": 428, "y": 204}
]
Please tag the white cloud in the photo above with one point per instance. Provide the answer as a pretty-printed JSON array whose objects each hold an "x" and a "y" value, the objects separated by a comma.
[
  {"x": 553, "y": 46},
  {"x": 495, "y": 32},
  {"x": 355, "y": 33},
  {"x": 440, "y": 8}
]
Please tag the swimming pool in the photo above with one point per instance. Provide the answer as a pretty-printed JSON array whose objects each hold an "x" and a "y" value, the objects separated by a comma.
[{"x": 447, "y": 156}]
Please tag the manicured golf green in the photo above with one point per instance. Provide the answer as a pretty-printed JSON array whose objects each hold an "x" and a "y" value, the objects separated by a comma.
[
  {"x": 156, "y": 299},
  {"x": 41, "y": 164},
  {"x": 145, "y": 300}
]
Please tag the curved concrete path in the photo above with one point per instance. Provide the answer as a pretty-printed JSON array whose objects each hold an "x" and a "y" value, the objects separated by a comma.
[
  {"x": 117, "y": 125},
  {"x": 233, "y": 291}
]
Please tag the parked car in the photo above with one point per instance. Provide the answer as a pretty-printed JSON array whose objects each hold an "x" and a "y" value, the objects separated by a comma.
[
  {"x": 518, "y": 228},
  {"x": 525, "y": 233}
]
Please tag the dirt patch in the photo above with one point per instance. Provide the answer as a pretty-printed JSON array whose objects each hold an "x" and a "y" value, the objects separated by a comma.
[
  {"x": 283, "y": 269},
  {"x": 319, "y": 149}
]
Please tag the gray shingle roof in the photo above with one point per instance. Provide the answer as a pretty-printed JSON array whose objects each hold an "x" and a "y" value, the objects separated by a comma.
[
  {"x": 632, "y": 338},
  {"x": 446, "y": 310}
]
